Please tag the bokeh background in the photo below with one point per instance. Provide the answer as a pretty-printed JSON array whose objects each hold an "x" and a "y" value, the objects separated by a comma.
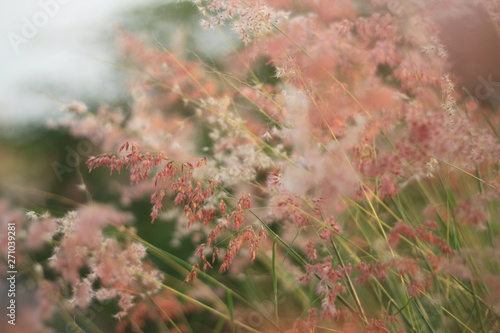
[{"x": 74, "y": 57}]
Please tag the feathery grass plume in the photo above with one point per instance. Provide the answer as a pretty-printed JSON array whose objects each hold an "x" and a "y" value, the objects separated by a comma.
[{"x": 328, "y": 170}]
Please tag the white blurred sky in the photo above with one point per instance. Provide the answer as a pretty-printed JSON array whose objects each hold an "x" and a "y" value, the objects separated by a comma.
[{"x": 63, "y": 56}]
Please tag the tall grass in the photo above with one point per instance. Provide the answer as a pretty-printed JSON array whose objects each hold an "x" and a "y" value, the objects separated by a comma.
[{"x": 326, "y": 176}]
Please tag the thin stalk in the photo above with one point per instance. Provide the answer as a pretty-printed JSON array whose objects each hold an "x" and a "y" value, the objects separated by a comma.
[
  {"x": 349, "y": 283},
  {"x": 275, "y": 284}
]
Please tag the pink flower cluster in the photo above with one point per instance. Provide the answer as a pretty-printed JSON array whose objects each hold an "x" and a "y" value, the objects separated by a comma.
[{"x": 358, "y": 147}]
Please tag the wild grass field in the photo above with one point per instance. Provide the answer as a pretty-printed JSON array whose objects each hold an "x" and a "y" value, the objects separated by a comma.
[{"x": 334, "y": 169}]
